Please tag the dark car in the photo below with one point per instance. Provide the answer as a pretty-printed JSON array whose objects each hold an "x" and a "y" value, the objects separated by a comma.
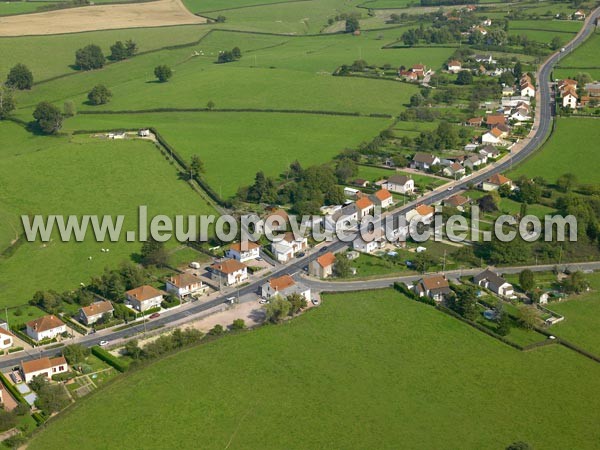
[
  {"x": 300, "y": 255},
  {"x": 322, "y": 249},
  {"x": 154, "y": 316}
]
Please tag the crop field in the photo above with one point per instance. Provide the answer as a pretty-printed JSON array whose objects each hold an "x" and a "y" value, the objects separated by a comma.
[
  {"x": 396, "y": 362},
  {"x": 84, "y": 176},
  {"x": 234, "y": 146},
  {"x": 579, "y": 136}
]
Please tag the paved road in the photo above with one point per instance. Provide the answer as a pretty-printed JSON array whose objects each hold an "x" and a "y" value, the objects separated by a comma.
[{"x": 544, "y": 112}]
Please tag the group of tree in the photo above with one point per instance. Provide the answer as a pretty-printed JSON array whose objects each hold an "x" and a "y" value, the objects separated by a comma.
[
  {"x": 227, "y": 56},
  {"x": 89, "y": 57},
  {"x": 575, "y": 283},
  {"x": 99, "y": 95},
  {"x": 153, "y": 253},
  {"x": 75, "y": 353},
  {"x": 120, "y": 51},
  {"x": 464, "y": 301},
  {"x": 279, "y": 307},
  {"x": 444, "y": 137},
  {"x": 430, "y": 35},
  {"x": 10, "y": 419},
  {"x": 164, "y": 344},
  {"x": 352, "y": 24},
  {"x": 7, "y": 101},
  {"x": 51, "y": 397}
]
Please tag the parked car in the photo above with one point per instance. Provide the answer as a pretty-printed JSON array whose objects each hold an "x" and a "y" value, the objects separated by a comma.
[
  {"x": 315, "y": 301},
  {"x": 263, "y": 301},
  {"x": 154, "y": 316},
  {"x": 103, "y": 343},
  {"x": 194, "y": 265},
  {"x": 300, "y": 254}
]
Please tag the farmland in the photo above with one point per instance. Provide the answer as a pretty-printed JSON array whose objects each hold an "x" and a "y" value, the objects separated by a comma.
[
  {"x": 551, "y": 161},
  {"x": 388, "y": 352},
  {"x": 85, "y": 176}
]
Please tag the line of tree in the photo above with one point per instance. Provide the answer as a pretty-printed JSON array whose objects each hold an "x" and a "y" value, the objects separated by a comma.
[
  {"x": 120, "y": 51},
  {"x": 227, "y": 56}
]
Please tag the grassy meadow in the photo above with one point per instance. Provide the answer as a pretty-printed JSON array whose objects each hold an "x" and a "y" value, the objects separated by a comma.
[
  {"x": 81, "y": 175},
  {"x": 569, "y": 150},
  {"x": 376, "y": 362}
]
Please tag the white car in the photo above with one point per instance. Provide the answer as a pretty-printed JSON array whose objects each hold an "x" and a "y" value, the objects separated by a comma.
[
  {"x": 315, "y": 301},
  {"x": 263, "y": 301},
  {"x": 103, "y": 343}
]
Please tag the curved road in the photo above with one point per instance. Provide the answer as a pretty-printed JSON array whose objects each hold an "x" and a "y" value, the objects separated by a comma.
[{"x": 544, "y": 112}]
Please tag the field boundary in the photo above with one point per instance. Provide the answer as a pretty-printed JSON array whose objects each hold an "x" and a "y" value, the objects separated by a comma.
[
  {"x": 240, "y": 110},
  {"x": 249, "y": 6}
]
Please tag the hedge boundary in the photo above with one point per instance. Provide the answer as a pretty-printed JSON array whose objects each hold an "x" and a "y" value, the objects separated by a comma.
[
  {"x": 109, "y": 359},
  {"x": 13, "y": 390}
]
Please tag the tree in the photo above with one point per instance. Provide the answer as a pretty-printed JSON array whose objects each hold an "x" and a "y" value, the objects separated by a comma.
[
  {"x": 518, "y": 70},
  {"x": 422, "y": 262},
  {"x": 20, "y": 77},
  {"x": 52, "y": 398},
  {"x": 133, "y": 349},
  {"x": 555, "y": 43},
  {"x": 38, "y": 382},
  {"x": 69, "y": 109},
  {"x": 566, "y": 182},
  {"x": 8, "y": 420},
  {"x": 488, "y": 203},
  {"x": 238, "y": 324},
  {"x": 277, "y": 310},
  {"x": 236, "y": 53},
  {"x": 529, "y": 316},
  {"x": 7, "y": 102},
  {"x": 345, "y": 168},
  {"x": 352, "y": 25},
  {"x": 341, "y": 267},
  {"x": 90, "y": 57},
  {"x": 416, "y": 99},
  {"x": 48, "y": 117},
  {"x": 210, "y": 105},
  {"x": 221, "y": 19},
  {"x": 118, "y": 51},
  {"x": 131, "y": 47},
  {"x": 153, "y": 253},
  {"x": 163, "y": 73},
  {"x": 506, "y": 78},
  {"x": 75, "y": 353},
  {"x": 99, "y": 95},
  {"x": 465, "y": 301},
  {"x": 503, "y": 321},
  {"x": 196, "y": 166},
  {"x": 217, "y": 330},
  {"x": 297, "y": 303},
  {"x": 575, "y": 283},
  {"x": 526, "y": 280},
  {"x": 464, "y": 77}
]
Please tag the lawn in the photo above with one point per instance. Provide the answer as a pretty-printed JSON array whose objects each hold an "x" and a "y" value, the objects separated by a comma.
[
  {"x": 580, "y": 137},
  {"x": 373, "y": 174},
  {"x": 82, "y": 175},
  {"x": 234, "y": 146},
  {"x": 375, "y": 362}
]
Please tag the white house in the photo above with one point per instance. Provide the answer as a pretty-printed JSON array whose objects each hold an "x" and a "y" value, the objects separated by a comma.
[
  {"x": 229, "y": 272},
  {"x": 286, "y": 249},
  {"x": 454, "y": 66},
  {"x": 244, "y": 252},
  {"x": 474, "y": 161},
  {"x": 492, "y": 137},
  {"x": 44, "y": 366},
  {"x": 495, "y": 181},
  {"x": 364, "y": 207},
  {"x": 6, "y": 339},
  {"x": 424, "y": 161},
  {"x": 94, "y": 312},
  {"x": 322, "y": 267},
  {"x": 46, "y": 327},
  {"x": 184, "y": 285},
  {"x": 382, "y": 198},
  {"x": 422, "y": 213},
  {"x": 527, "y": 90},
  {"x": 454, "y": 169},
  {"x": 401, "y": 184},
  {"x": 569, "y": 99},
  {"x": 435, "y": 287},
  {"x": 494, "y": 283},
  {"x": 284, "y": 286},
  {"x": 365, "y": 246},
  {"x": 144, "y": 298}
]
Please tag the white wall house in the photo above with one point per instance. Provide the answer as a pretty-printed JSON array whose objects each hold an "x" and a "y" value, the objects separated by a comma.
[
  {"x": 382, "y": 198},
  {"x": 184, "y": 285},
  {"x": 401, "y": 184},
  {"x": 287, "y": 248},
  {"x": 244, "y": 252},
  {"x": 91, "y": 314},
  {"x": 229, "y": 272},
  {"x": 144, "y": 298},
  {"x": 569, "y": 100},
  {"x": 6, "y": 339},
  {"x": 284, "y": 286},
  {"x": 494, "y": 283},
  {"x": 365, "y": 246},
  {"x": 43, "y": 366},
  {"x": 322, "y": 267},
  {"x": 47, "y": 327}
]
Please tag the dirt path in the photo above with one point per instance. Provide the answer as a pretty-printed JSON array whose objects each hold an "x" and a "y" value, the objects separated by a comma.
[{"x": 99, "y": 17}]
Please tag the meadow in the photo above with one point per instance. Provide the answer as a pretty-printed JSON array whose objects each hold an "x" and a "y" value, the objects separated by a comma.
[
  {"x": 569, "y": 150},
  {"x": 234, "y": 146},
  {"x": 376, "y": 363},
  {"x": 82, "y": 175},
  {"x": 10, "y": 8}
]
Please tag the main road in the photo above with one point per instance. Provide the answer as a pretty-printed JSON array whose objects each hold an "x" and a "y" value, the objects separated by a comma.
[{"x": 544, "y": 112}]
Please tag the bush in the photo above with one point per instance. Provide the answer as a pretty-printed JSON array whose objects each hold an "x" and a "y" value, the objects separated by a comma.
[
  {"x": 20, "y": 77},
  {"x": 15, "y": 349},
  {"x": 89, "y": 57},
  {"x": 238, "y": 324},
  {"x": 99, "y": 95},
  {"x": 163, "y": 73},
  {"x": 109, "y": 359},
  {"x": 48, "y": 117}
]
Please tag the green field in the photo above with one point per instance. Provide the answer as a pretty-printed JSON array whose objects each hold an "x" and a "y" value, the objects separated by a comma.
[
  {"x": 81, "y": 175},
  {"x": 12, "y": 8},
  {"x": 383, "y": 366},
  {"x": 585, "y": 56},
  {"x": 571, "y": 149},
  {"x": 373, "y": 174}
]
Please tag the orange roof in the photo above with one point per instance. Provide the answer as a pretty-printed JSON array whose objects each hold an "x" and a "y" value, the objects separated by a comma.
[
  {"x": 97, "y": 308},
  {"x": 435, "y": 282},
  {"x": 45, "y": 363},
  {"x": 279, "y": 213},
  {"x": 326, "y": 260},
  {"x": 494, "y": 119},
  {"x": 363, "y": 203},
  {"x": 498, "y": 179},
  {"x": 454, "y": 62},
  {"x": 237, "y": 246},
  {"x": 497, "y": 132},
  {"x": 383, "y": 194},
  {"x": 281, "y": 283},
  {"x": 424, "y": 210},
  {"x": 184, "y": 279},
  {"x": 144, "y": 293},
  {"x": 228, "y": 266},
  {"x": 5, "y": 332},
  {"x": 45, "y": 323}
]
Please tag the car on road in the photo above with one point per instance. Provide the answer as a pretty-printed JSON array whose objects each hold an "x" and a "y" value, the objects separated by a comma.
[
  {"x": 450, "y": 188},
  {"x": 322, "y": 249},
  {"x": 230, "y": 300},
  {"x": 154, "y": 316},
  {"x": 300, "y": 254},
  {"x": 103, "y": 343}
]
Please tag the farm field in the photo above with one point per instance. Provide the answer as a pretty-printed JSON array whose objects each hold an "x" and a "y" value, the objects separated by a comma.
[
  {"x": 580, "y": 136},
  {"x": 564, "y": 26},
  {"x": 389, "y": 351},
  {"x": 197, "y": 6},
  {"x": 585, "y": 56},
  {"x": 234, "y": 146},
  {"x": 11, "y": 8},
  {"x": 85, "y": 176}
]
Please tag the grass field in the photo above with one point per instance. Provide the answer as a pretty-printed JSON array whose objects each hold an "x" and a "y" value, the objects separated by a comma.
[
  {"x": 585, "y": 56},
  {"x": 234, "y": 146},
  {"x": 373, "y": 174},
  {"x": 579, "y": 136},
  {"x": 81, "y": 175},
  {"x": 10, "y": 8},
  {"x": 379, "y": 364}
]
